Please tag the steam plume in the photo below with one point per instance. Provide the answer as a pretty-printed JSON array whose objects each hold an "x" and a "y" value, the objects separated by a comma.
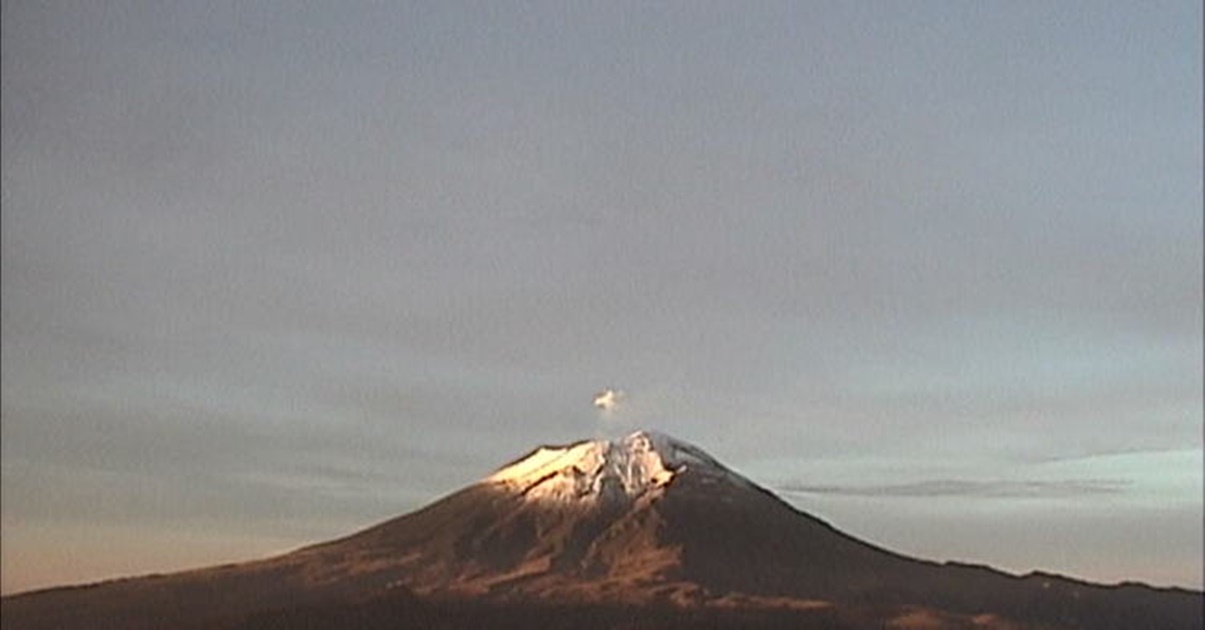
[{"x": 607, "y": 399}]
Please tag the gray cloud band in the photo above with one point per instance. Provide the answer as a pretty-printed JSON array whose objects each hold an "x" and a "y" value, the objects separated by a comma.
[{"x": 966, "y": 488}]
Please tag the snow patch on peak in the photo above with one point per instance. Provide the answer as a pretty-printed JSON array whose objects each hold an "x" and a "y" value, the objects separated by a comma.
[
  {"x": 673, "y": 451},
  {"x": 642, "y": 463}
]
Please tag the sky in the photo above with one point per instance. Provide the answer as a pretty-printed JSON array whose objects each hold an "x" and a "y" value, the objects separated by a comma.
[{"x": 274, "y": 272}]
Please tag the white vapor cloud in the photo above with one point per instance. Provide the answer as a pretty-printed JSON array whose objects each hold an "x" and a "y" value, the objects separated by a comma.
[{"x": 607, "y": 399}]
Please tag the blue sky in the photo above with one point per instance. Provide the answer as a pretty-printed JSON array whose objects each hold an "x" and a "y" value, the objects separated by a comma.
[{"x": 273, "y": 272}]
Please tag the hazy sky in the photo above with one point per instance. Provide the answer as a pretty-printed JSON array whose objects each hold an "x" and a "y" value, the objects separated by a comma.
[{"x": 275, "y": 271}]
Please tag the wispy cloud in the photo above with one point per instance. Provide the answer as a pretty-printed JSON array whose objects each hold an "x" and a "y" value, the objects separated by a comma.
[{"x": 991, "y": 489}]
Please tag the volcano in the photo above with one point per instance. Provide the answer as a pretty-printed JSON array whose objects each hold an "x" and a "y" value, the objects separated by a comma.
[{"x": 646, "y": 531}]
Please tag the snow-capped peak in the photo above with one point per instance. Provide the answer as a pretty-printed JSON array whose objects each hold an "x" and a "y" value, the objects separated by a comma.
[{"x": 639, "y": 464}]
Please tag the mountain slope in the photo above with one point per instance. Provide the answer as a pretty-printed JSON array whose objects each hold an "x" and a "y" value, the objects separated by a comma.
[{"x": 602, "y": 530}]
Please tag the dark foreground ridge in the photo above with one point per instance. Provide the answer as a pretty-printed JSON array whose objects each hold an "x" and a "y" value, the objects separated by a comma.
[{"x": 643, "y": 532}]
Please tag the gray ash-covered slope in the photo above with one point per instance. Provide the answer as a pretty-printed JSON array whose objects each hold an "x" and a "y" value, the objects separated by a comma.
[{"x": 600, "y": 533}]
